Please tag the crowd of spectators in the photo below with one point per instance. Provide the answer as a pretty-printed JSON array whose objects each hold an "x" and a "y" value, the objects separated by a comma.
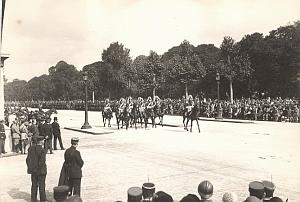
[
  {"x": 258, "y": 192},
  {"x": 267, "y": 109}
]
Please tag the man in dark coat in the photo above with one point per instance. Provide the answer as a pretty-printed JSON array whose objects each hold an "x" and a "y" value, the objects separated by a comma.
[
  {"x": 57, "y": 134},
  {"x": 2, "y": 138},
  {"x": 48, "y": 135},
  {"x": 73, "y": 164},
  {"x": 36, "y": 166}
]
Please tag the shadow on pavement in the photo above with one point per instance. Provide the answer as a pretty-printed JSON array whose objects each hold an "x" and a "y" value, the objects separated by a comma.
[{"x": 17, "y": 194}]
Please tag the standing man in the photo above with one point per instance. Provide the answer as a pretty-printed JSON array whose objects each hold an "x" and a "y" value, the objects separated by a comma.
[
  {"x": 2, "y": 138},
  {"x": 48, "y": 135},
  {"x": 36, "y": 166},
  {"x": 57, "y": 134},
  {"x": 74, "y": 163}
]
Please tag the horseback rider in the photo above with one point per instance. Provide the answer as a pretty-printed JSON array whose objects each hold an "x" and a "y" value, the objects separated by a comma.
[
  {"x": 122, "y": 105},
  {"x": 129, "y": 104},
  {"x": 107, "y": 105},
  {"x": 150, "y": 103},
  {"x": 190, "y": 103}
]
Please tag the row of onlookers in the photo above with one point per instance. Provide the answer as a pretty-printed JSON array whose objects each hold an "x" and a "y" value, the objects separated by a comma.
[
  {"x": 258, "y": 192},
  {"x": 275, "y": 109}
]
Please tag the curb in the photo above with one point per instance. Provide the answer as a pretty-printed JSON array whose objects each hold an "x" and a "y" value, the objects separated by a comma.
[{"x": 87, "y": 132}]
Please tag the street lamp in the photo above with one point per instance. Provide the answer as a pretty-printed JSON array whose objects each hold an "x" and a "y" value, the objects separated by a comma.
[
  {"x": 86, "y": 124},
  {"x": 219, "y": 112}
]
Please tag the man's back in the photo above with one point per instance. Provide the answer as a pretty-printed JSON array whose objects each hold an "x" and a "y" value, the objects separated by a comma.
[
  {"x": 36, "y": 160},
  {"x": 74, "y": 160}
]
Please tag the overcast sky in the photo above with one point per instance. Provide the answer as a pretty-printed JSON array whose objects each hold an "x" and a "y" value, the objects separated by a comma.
[{"x": 39, "y": 33}]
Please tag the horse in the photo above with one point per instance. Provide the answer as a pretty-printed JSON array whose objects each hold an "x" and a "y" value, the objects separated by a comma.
[
  {"x": 107, "y": 115},
  {"x": 160, "y": 110},
  {"x": 123, "y": 117},
  {"x": 184, "y": 113},
  {"x": 134, "y": 115},
  {"x": 149, "y": 113},
  {"x": 193, "y": 116}
]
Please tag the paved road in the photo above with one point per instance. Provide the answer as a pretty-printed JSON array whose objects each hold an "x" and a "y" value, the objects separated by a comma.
[{"x": 230, "y": 155}]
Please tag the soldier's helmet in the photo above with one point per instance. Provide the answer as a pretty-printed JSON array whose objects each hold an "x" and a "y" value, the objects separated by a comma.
[{"x": 205, "y": 189}]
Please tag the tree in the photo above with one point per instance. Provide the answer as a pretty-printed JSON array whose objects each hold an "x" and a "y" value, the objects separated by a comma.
[
  {"x": 234, "y": 64},
  {"x": 150, "y": 72},
  {"x": 17, "y": 90},
  {"x": 185, "y": 66},
  {"x": 41, "y": 88},
  {"x": 64, "y": 77}
]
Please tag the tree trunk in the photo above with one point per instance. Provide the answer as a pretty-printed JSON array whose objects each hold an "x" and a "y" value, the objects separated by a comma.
[
  {"x": 231, "y": 91},
  {"x": 186, "y": 91}
]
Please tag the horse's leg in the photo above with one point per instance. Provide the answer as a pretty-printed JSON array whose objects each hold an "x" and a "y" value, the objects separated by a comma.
[
  {"x": 186, "y": 124},
  {"x": 191, "y": 125},
  {"x": 198, "y": 125},
  {"x": 183, "y": 121}
]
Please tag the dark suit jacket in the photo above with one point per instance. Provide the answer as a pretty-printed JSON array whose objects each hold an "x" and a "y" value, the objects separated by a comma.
[
  {"x": 36, "y": 160},
  {"x": 74, "y": 162},
  {"x": 2, "y": 132},
  {"x": 56, "y": 129},
  {"x": 48, "y": 131}
]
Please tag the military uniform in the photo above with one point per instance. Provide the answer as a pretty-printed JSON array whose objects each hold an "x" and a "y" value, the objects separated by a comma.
[
  {"x": 48, "y": 135},
  {"x": 73, "y": 163},
  {"x": 36, "y": 166}
]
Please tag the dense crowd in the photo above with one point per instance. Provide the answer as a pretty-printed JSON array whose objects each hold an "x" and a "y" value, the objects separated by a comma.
[
  {"x": 268, "y": 109},
  {"x": 258, "y": 192}
]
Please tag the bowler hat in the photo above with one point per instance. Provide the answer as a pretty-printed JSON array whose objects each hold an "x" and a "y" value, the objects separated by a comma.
[
  {"x": 161, "y": 196},
  {"x": 190, "y": 198}
]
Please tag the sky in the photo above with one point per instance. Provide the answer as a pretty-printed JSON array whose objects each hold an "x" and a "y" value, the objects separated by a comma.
[{"x": 39, "y": 33}]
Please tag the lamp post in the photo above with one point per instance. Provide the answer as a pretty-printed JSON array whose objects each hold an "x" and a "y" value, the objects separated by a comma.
[
  {"x": 219, "y": 112},
  {"x": 86, "y": 124}
]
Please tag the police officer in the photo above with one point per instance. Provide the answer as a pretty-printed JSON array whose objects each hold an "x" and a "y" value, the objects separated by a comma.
[
  {"x": 36, "y": 166},
  {"x": 74, "y": 163}
]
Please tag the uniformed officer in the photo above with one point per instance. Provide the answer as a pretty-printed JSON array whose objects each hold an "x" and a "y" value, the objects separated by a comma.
[
  {"x": 74, "y": 163},
  {"x": 36, "y": 166}
]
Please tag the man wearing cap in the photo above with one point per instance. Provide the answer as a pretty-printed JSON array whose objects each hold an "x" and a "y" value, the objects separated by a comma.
[
  {"x": 48, "y": 135},
  {"x": 74, "y": 163},
  {"x": 56, "y": 134},
  {"x": 36, "y": 166}
]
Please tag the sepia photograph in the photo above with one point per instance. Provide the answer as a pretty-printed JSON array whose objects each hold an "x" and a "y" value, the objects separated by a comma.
[{"x": 150, "y": 101}]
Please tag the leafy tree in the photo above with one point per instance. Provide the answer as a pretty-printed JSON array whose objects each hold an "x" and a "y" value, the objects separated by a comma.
[
  {"x": 64, "y": 77},
  {"x": 150, "y": 72},
  {"x": 17, "y": 90},
  {"x": 185, "y": 66},
  {"x": 234, "y": 65}
]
